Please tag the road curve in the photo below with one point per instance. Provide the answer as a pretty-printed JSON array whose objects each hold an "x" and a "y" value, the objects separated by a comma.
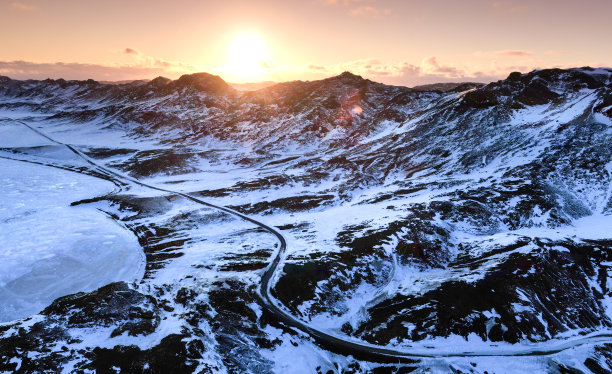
[{"x": 344, "y": 344}]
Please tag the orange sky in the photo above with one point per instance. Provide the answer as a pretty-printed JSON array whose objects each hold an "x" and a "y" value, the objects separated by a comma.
[{"x": 399, "y": 42}]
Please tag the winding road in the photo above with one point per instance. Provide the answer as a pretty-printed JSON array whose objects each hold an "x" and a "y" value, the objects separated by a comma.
[{"x": 343, "y": 344}]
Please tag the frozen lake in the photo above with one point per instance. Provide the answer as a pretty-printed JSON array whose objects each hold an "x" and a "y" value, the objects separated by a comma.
[{"x": 51, "y": 249}]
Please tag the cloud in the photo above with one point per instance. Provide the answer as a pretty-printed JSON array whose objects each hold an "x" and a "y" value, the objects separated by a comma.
[
  {"x": 519, "y": 53},
  {"x": 373, "y": 67},
  {"x": 430, "y": 70},
  {"x": 369, "y": 12},
  {"x": 34, "y": 70},
  {"x": 155, "y": 62},
  {"x": 131, "y": 51},
  {"x": 317, "y": 68},
  {"x": 431, "y": 66},
  {"x": 24, "y": 7},
  {"x": 514, "y": 53}
]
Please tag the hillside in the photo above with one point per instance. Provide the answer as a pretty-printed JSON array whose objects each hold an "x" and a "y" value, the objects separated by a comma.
[{"x": 456, "y": 224}]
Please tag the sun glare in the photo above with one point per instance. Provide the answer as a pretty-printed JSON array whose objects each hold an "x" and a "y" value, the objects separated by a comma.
[{"x": 248, "y": 58}]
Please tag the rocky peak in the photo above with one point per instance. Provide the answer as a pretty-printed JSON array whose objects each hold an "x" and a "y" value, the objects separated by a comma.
[
  {"x": 585, "y": 77},
  {"x": 347, "y": 78},
  {"x": 160, "y": 82},
  {"x": 537, "y": 87},
  {"x": 203, "y": 82},
  {"x": 348, "y": 75}
]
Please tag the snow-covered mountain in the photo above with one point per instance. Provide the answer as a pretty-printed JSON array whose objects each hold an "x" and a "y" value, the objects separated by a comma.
[{"x": 451, "y": 228}]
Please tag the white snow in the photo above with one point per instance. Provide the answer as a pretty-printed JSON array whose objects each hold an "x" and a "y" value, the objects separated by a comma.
[
  {"x": 79, "y": 248},
  {"x": 50, "y": 249}
]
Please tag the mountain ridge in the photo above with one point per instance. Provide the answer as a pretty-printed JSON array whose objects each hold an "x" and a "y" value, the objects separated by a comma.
[{"x": 413, "y": 219}]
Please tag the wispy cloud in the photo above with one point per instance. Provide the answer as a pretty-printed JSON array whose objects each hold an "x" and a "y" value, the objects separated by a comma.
[
  {"x": 429, "y": 70},
  {"x": 317, "y": 68},
  {"x": 431, "y": 66},
  {"x": 34, "y": 70},
  {"x": 514, "y": 53},
  {"x": 155, "y": 62},
  {"x": 132, "y": 51},
  {"x": 23, "y": 7}
]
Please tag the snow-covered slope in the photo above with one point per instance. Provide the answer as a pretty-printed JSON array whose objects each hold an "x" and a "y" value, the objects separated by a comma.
[{"x": 473, "y": 220}]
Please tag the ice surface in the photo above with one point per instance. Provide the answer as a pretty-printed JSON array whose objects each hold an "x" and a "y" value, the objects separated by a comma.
[{"x": 51, "y": 249}]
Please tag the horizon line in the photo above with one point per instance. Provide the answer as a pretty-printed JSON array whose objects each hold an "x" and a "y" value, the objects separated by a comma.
[{"x": 267, "y": 83}]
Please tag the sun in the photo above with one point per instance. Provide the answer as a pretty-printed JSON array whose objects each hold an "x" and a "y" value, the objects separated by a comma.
[{"x": 248, "y": 58}]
